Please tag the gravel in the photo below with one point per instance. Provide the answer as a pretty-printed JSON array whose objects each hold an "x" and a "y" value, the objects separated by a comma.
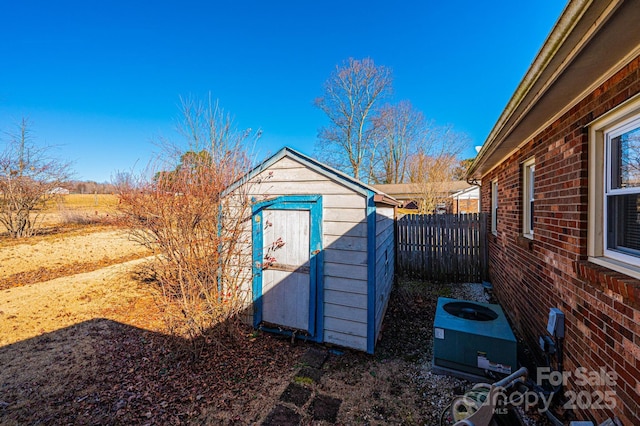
[{"x": 440, "y": 389}]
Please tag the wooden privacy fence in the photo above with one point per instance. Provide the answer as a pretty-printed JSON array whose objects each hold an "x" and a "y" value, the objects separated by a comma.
[{"x": 443, "y": 247}]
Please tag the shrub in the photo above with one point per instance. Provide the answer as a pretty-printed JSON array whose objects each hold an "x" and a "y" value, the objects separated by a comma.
[{"x": 195, "y": 227}]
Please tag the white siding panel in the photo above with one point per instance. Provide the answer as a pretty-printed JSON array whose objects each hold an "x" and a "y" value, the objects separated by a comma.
[
  {"x": 384, "y": 254},
  {"x": 345, "y": 271},
  {"x": 384, "y": 238},
  {"x": 345, "y": 326},
  {"x": 345, "y": 215},
  {"x": 276, "y": 188},
  {"x": 345, "y": 299},
  {"x": 385, "y": 262},
  {"x": 295, "y": 174},
  {"x": 345, "y": 313},
  {"x": 346, "y": 228},
  {"x": 387, "y": 212},
  {"x": 341, "y": 242},
  {"x": 345, "y": 285},
  {"x": 352, "y": 201},
  {"x": 346, "y": 340},
  {"x": 287, "y": 177},
  {"x": 285, "y": 163},
  {"x": 385, "y": 225},
  {"x": 348, "y": 257},
  {"x": 383, "y": 274}
]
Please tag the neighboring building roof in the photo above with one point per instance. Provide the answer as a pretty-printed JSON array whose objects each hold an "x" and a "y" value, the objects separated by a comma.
[
  {"x": 591, "y": 41},
  {"x": 471, "y": 193},
  {"x": 331, "y": 173},
  {"x": 58, "y": 190},
  {"x": 407, "y": 191}
]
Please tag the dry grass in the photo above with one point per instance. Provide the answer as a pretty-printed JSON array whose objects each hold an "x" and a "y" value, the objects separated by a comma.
[
  {"x": 61, "y": 250},
  {"x": 103, "y": 203},
  {"x": 86, "y": 335},
  {"x": 90, "y": 347},
  {"x": 79, "y": 210},
  {"x": 45, "y": 307}
]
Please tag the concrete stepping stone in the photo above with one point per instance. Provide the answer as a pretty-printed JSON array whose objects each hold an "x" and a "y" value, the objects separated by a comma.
[
  {"x": 296, "y": 394},
  {"x": 324, "y": 407},
  {"x": 282, "y": 416},
  {"x": 307, "y": 374},
  {"x": 314, "y": 357}
]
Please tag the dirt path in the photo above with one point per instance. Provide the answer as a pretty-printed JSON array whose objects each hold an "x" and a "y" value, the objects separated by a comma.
[
  {"x": 51, "y": 253},
  {"x": 110, "y": 292}
]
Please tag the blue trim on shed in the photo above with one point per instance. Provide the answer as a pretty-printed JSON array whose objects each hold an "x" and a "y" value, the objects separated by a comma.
[
  {"x": 312, "y": 203},
  {"x": 371, "y": 272},
  {"x": 313, "y": 164},
  {"x": 256, "y": 286}
]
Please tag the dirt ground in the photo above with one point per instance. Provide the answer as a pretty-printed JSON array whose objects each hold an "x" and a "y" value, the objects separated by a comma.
[{"x": 82, "y": 342}]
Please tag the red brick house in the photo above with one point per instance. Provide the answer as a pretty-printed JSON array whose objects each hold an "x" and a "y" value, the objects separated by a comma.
[{"x": 560, "y": 174}]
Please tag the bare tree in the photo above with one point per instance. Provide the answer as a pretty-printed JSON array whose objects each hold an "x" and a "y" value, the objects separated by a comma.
[
  {"x": 401, "y": 129},
  {"x": 434, "y": 166},
  {"x": 29, "y": 176},
  {"x": 197, "y": 229},
  {"x": 460, "y": 171},
  {"x": 351, "y": 95}
]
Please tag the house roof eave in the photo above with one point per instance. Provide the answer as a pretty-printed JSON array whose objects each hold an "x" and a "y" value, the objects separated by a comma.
[{"x": 584, "y": 47}]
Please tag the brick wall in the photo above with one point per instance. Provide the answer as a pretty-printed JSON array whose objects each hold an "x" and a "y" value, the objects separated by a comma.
[
  {"x": 465, "y": 205},
  {"x": 602, "y": 308}
]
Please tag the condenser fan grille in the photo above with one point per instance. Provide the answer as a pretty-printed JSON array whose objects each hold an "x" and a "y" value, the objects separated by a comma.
[{"x": 470, "y": 311}]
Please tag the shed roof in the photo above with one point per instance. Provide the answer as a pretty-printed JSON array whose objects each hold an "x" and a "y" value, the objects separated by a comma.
[
  {"x": 327, "y": 171},
  {"x": 591, "y": 41}
]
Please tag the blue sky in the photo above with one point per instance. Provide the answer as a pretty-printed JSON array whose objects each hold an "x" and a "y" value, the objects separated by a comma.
[{"x": 101, "y": 80}]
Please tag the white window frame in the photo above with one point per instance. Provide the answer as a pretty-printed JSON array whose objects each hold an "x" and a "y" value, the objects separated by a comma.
[
  {"x": 622, "y": 128},
  {"x": 494, "y": 207},
  {"x": 528, "y": 196},
  {"x": 601, "y": 131}
]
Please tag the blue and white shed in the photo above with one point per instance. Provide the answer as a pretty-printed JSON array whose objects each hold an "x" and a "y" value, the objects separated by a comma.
[{"x": 323, "y": 251}]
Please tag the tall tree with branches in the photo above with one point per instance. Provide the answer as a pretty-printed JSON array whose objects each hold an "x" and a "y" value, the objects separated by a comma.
[
  {"x": 29, "y": 176},
  {"x": 401, "y": 130},
  {"x": 350, "y": 99},
  {"x": 435, "y": 164}
]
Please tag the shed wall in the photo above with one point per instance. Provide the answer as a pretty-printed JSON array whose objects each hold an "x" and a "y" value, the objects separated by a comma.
[
  {"x": 344, "y": 242},
  {"x": 385, "y": 261}
]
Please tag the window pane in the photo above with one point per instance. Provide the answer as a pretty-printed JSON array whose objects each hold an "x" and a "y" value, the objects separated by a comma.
[
  {"x": 623, "y": 227},
  {"x": 532, "y": 172},
  {"x": 625, "y": 160},
  {"x": 494, "y": 206},
  {"x": 531, "y": 216}
]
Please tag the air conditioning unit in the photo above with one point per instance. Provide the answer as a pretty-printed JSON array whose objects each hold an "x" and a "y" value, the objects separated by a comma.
[{"x": 472, "y": 340}]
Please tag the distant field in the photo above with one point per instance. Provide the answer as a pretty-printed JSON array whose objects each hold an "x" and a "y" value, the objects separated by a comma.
[
  {"x": 79, "y": 209},
  {"x": 84, "y": 202}
]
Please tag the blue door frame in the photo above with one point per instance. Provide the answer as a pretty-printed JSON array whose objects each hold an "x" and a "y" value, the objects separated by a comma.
[{"x": 313, "y": 204}]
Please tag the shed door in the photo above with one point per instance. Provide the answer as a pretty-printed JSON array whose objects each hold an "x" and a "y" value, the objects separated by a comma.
[
  {"x": 286, "y": 285},
  {"x": 287, "y": 265}
]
